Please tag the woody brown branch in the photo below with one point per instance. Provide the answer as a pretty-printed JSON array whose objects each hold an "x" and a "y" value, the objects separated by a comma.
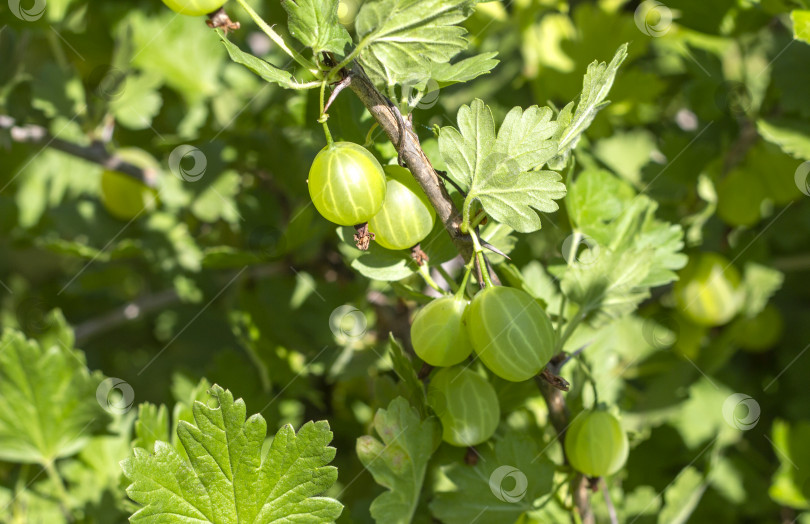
[{"x": 410, "y": 151}]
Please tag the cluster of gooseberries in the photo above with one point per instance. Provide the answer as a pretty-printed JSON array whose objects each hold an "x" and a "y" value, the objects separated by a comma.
[
  {"x": 507, "y": 328},
  {"x": 350, "y": 188}
]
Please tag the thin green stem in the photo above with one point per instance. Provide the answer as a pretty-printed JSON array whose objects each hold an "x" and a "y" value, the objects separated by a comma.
[
  {"x": 423, "y": 270},
  {"x": 302, "y": 85},
  {"x": 61, "y": 491},
  {"x": 447, "y": 278},
  {"x": 17, "y": 514},
  {"x": 589, "y": 378},
  {"x": 569, "y": 330},
  {"x": 467, "y": 270},
  {"x": 56, "y": 47},
  {"x": 369, "y": 138},
  {"x": 324, "y": 117},
  {"x": 572, "y": 249},
  {"x": 465, "y": 214},
  {"x": 392, "y": 93},
  {"x": 479, "y": 253},
  {"x": 275, "y": 37},
  {"x": 560, "y": 319},
  {"x": 477, "y": 220}
]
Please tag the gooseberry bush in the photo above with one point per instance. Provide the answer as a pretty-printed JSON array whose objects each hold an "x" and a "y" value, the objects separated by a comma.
[{"x": 404, "y": 261}]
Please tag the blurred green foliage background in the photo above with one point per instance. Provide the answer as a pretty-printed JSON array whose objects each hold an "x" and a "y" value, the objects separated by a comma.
[{"x": 233, "y": 277}]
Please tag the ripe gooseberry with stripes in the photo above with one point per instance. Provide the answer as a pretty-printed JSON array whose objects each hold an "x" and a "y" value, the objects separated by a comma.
[
  {"x": 596, "y": 444},
  {"x": 407, "y": 216},
  {"x": 438, "y": 334},
  {"x": 466, "y": 404},
  {"x": 194, "y": 7},
  {"x": 346, "y": 184},
  {"x": 510, "y": 332}
]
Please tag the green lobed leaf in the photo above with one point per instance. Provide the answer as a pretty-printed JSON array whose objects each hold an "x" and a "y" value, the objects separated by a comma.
[
  {"x": 151, "y": 426},
  {"x": 501, "y": 487},
  {"x": 265, "y": 70},
  {"x": 596, "y": 197},
  {"x": 445, "y": 73},
  {"x": 595, "y": 87},
  {"x": 139, "y": 102},
  {"x": 407, "y": 374},
  {"x": 400, "y": 39},
  {"x": 226, "y": 479},
  {"x": 498, "y": 170},
  {"x": 608, "y": 212},
  {"x": 48, "y": 406},
  {"x": 759, "y": 284},
  {"x": 801, "y": 24},
  {"x": 315, "y": 24},
  {"x": 790, "y": 485},
  {"x": 610, "y": 283},
  {"x": 793, "y": 136},
  {"x": 400, "y": 461},
  {"x": 682, "y": 497}
]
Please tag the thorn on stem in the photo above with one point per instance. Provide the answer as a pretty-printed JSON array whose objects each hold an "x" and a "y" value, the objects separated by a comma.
[
  {"x": 339, "y": 86},
  {"x": 494, "y": 250},
  {"x": 363, "y": 237},
  {"x": 555, "y": 380}
]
